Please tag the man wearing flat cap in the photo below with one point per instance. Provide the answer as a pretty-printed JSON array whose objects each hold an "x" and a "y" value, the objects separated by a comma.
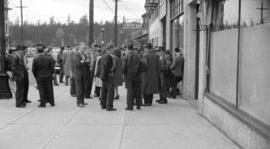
[{"x": 107, "y": 77}]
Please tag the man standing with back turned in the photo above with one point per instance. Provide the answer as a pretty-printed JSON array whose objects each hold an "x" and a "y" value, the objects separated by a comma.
[
  {"x": 106, "y": 75},
  {"x": 132, "y": 70},
  {"x": 43, "y": 69}
]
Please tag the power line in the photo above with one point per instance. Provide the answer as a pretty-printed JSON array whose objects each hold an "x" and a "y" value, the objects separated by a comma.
[
  {"x": 108, "y": 6},
  {"x": 129, "y": 10}
]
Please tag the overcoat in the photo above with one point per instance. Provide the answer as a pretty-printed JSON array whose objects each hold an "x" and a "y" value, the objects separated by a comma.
[
  {"x": 150, "y": 78},
  {"x": 118, "y": 74},
  {"x": 67, "y": 62}
]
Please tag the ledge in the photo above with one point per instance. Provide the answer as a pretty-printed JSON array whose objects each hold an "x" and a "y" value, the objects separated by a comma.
[{"x": 244, "y": 117}]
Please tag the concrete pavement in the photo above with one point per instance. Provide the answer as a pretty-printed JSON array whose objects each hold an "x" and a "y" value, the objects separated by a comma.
[{"x": 173, "y": 126}]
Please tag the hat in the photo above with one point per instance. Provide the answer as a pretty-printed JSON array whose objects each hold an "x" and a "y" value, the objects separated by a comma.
[
  {"x": 161, "y": 49},
  {"x": 148, "y": 46},
  {"x": 130, "y": 46}
]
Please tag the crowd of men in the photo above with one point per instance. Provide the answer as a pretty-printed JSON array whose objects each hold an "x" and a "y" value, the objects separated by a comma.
[{"x": 145, "y": 70}]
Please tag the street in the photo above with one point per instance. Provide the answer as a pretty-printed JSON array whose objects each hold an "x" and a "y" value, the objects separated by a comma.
[{"x": 172, "y": 126}]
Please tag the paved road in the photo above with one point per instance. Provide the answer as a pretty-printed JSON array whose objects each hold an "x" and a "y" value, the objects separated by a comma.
[{"x": 173, "y": 126}]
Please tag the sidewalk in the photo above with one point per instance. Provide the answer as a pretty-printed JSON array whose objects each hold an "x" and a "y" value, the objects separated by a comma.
[{"x": 173, "y": 126}]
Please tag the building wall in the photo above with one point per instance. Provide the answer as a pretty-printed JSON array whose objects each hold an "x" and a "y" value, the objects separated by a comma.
[
  {"x": 190, "y": 12},
  {"x": 154, "y": 32},
  {"x": 244, "y": 129}
]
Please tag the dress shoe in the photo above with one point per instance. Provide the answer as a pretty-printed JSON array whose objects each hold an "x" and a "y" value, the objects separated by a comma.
[
  {"x": 56, "y": 84},
  {"x": 27, "y": 101},
  {"x": 52, "y": 105},
  {"x": 85, "y": 104},
  {"x": 128, "y": 109},
  {"x": 111, "y": 109},
  {"x": 103, "y": 108},
  {"x": 80, "y": 105},
  {"x": 138, "y": 108},
  {"x": 21, "y": 106},
  {"x": 158, "y": 100},
  {"x": 147, "y": 104},
  {"x": 41, "y": 106},
  {"x": 117, "y": 97},
  {"x": 163, "y": 102}
]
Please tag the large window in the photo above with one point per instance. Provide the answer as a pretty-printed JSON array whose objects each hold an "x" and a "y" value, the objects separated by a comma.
[
  {"x": 240, "y": 55},
  {"x": 176, "y": 7},
  {"x": 223, "y": 58},
  {"x": 178, "y": 32},
  {"x": 255, "y": 59}
]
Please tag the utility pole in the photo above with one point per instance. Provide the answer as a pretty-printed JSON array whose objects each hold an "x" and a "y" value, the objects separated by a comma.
[
  {"x": 115, "y": 25},
  {"x": 91, "y": 23},
  {"x": 262, "y": 9},
  {"x": 4, "y": 87},
  {"x": 21, "y": 7}
]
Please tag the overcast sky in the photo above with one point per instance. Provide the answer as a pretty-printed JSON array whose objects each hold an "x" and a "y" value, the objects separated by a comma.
[{"x": 43, "y": 9}]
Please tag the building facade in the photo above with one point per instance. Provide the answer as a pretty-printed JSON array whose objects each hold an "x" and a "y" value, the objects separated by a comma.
[{"x": 226, "y": 50}]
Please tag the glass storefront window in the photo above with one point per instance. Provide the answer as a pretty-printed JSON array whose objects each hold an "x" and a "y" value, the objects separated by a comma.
[
  {"x": 255, "y": 59},
  {"x": 178, "y": 32},
  {"x": 224, "y": 48},
  {"x": 225, "y": 15},
  {"x": 176, "y": 8}
]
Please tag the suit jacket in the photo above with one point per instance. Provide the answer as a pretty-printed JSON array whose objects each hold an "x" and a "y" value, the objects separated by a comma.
[
  {"x": 132, "y": 66},
  {"x": 79, "y": 67},
  {"x": 18, "y": 66},
  {"x": 106, "y": 71},
  {"x": 178, "y": 66},
  {"x": 43, "y": 67}
]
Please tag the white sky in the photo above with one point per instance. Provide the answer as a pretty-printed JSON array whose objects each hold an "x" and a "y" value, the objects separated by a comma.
[{"x": 43, "y": 9}]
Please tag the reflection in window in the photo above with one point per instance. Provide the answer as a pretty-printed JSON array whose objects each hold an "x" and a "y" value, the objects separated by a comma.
[
  {"x": 255, "y": 12},
  {"x": 178, "y": 32},
  {"x": 225, "y": 14}
]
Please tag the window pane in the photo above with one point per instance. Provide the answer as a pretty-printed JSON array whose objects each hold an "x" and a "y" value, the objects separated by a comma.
[
  {"x": 225, "y": 15},
  {"x": 255, "y": 59},
  {"x": 223, "y": 74},
  {"x": 224, "y": 49}
]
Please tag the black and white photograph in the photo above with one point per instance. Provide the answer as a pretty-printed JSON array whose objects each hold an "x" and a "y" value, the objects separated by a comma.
[{"x": 134, "y": 74}]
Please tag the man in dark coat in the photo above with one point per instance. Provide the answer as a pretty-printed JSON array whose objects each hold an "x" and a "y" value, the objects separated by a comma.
[
  {"x": 178, "y": 70},
  {"x": 106, "y": 75},
  {"x": 43, "y": 69},
  {"x": 165, "y": 74},
  {"x": 60, "y": 56},
  {"x": 150, "y": 78},
  {"x": 20, "y": 75},
  {"x": 132, "y": 70},
  {"x": 80, "y": 71}
]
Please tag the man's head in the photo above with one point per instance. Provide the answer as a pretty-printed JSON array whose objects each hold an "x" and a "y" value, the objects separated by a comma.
[
  {"x": 130, "y": 47},
  {"x": 82, "y": 49},
  {"x": 109, "y": 48},
  {"x": 148, "y": 46},
  {"x": 40, "y": 48},
  {"x": 161, "y": 50},
  {"x": 62, "y": 48}
]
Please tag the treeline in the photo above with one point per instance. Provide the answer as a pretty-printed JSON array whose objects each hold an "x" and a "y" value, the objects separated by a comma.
[{"x": 56, "y": 34}]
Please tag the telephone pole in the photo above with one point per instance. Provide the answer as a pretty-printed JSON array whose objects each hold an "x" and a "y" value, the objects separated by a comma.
[
  {"x": 262, "y": 9},
  {"x": 4, "y": 87},
  {"x": 91, "y": 23},
  {"x": 21, "y": 7},
  {"x": 115, "y": 25}
]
